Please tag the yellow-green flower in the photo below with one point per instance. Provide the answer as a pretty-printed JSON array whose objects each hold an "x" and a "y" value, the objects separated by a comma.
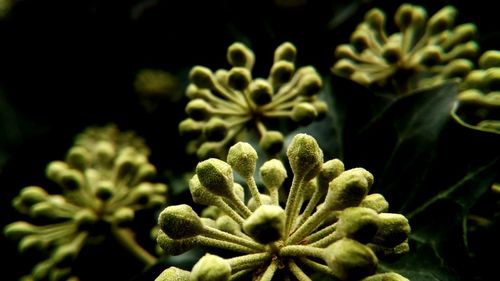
[
  {"x": 424, "y": 52},
  {"x": 104, "y": 180},
  {"x": 226, "y": 105},
  {"x": 329, "y": 222}
]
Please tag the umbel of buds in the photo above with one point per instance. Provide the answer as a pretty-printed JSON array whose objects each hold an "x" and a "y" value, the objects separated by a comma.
[
  {"x": 479, "y": 98},
  {"x": 226, "y": 105},
  {"x": 424, "y": 52},
  {"x": 104, "y": 180},
  {"x": 328, "y": 222}
]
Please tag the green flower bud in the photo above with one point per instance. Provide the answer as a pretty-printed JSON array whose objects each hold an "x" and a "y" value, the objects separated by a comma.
[
  {"x": 208, "y": 222},
  {"x": 475, "y": 79},
  {"x": 210, "y": 150},
  {"x": 191, "y": 128},
  {"x": 216, "y": 176},
  {"x": 32, "y": 242},
  {"x": 390, "y": 252},
  {"x": 266, "y": 224},
  {"x": 64, "y": 255},
  {"x": 105, "y": 152},
  {"x": 211, "y": 268},
  {"x": 358, "y": 223},
  {"x": 375, "y": 201},
  {"x": 264, "y": 198},
  {"x": 360, "y": 39},
  {"x": 272, "y": 142},
  {"x": 198, "y": 109},
  {"x": 389, "y": 276},
  {"x": 345, "y": 52},
  {"x": 457, "y": 68},
  {"x": 123, "y": 215},
  {"x": 468, "y": 50},
  {"x": 393, "y": 230},
  {"x": 42, "y": 269},
  {"x": 490, "y": 58},
  {"x": 227, "y": 224},
  {"x": 78, "y": 158},
  {"x": 273, "y": 173},
  {"x": 346, "y": 190},
  {"x": 193, "y": 92},
  {"x": 215, "y": 129},
  {"x": 321, "y": 108},
  {"x": 199, "y": 193},
  {"x": 493, "y": 78},
  {"x": 54, "y": 170},
  {"x": 350, "y": 260},
  {"x": 202, "y": 77},
  {"x": 105, "y": 190},
  {"x": 243, "y": 159},
  {"x": 175, "y": 247},
  {"x": 173, "y": 274},
  {"x": 309, "y": 85},
  {"x": 211, "y": 212},
  {"x": 392, "y": 52},
  {"x": 180, "y": 221},
  {"x": 85, "y": 219},
  {"x": 286, "y": 52},
  {"x": 470, "y": 96},
  {"x": 442, "y": 20},
  {"x": 282, "y": 71},
  {"x": 304, "y": 113},
  {"x": 45, "y": 210},
  {"x": 19, "y": 229},
  {"x": 261, "y": 92},
  {"x": 239, "y": 191},
  {"x": 431, "y": 55},
  {"x": 33, "y": 194},
  {"x": 344, "y": 67},
  {"x": 329, "y": 170},
  {"x": 463, "y": 33},
  {"x": 375, "y": 19},
  {"x": 305, "y": 157},
  {"x": 239, "y": 78},
  {"x": 239, "y": 55},
  {"x": 403, "y": 16}
]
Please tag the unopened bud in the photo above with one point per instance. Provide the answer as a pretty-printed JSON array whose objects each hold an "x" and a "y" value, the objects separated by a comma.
[
  {"x": 202, "y": 77},
  {"x": 239, "y": 78},
  {"x": 216, "y": 176},
  {"x": 211, "y": 268},
  {"x": 173, "y": 274},
  {"x": 271, "y": 142},
  {"x": 180, "y": 221},
  {"x": 238, "y": 55},
  {"x": 305, "y": 157},
  {"x": 285, "y": 51},
  {"x": 243, "y": 159},
  {"x": 266, "y": 224}
]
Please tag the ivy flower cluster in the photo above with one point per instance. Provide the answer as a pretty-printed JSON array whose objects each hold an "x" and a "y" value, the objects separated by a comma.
[
  {"x": 226, "y": 105},
  {"x": 425, "y": 51},
  {"x": 104, "y": 180},
  {"x": 329, "y": 224},
  {"x": 479, "y": 98}
]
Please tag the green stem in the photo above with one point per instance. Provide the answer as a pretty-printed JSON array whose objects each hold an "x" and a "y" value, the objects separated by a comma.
[
  {"x": 297, "y": 271},
  {"x": 126, "y": 238}
]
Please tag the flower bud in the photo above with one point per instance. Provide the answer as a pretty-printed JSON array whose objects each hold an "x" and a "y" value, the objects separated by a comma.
[
  {"x": 304, "y": 113},
  {"x": 239, "y": 191},
  {"x": 431, "y": 55},
  {"x": 360, "y": 39},
  {"x": 209, "y": 150},
  {"x": 393, "y": 230},
  {"x": 375, "y": 201},
  {"x": 173, "y": 274},
  {"x": 180, "y": 221},
  {"x": 271, "y": 142},
  {"x": 105, "y": 152},
  {"x": 199, "y": 193},
  {"x": 281, "y": 72},
  {"x": 442, "y": 20},
  {"x": 305, "y": 157},
  {"x": 211, "y": 212},
  {"x": 375, "y": 19},
  {"x": 216, "y": 176},
  {"x": 490, "y": 58},
  {"x": 239, "y": 78},
  {"x": 33, "y": 194},
  {"x": 350, "y": 260},
  {"x": 457, "y": 68},
  {"x": 309, "y": 85},
  {"x": 346, "y": 190},
  {"x": 463, "y": 33},
  {"x": 202, "y": 77},
  {"x": 329, "y": 170},
  {"x": 55, "y": 169},
  {"x": 32, "y": 242},
  {"x": 403, "y": 16},
  {"x": 123, "y": 215},
  {"x": 266, "y": 224},
  {"x": 215, "y": 129},
  {"x": 198, "y": 109},
  {"x": 104, "y": 190},
  {"x": 175, "y": 247},
  {"x": 64, "y": 255},
  {"x": 286, "y": 52},
  {"x": 243, "y": 159},
  {"x": 389, "y": 276},
  {"x": 390, "y": 252},
  {"x": 273, "y": 173},
  {"x": 19, "y": 229},
  {"x": 475, "y": 79},
  {"x": 238, "y": 55},
  {"x": 85, "y": 219},
  {"x": 261, "y": 92},
  {"x": 190, "y": 128},
  {"x": 211, "y": 268},
  {"x": 358, "y": 223},
  {"x": 321, "y": 108},
  {"x": 227, "y": 224},
  {"x": 392, "y": 52},
  {"x": 78, "y": 158},
  {"x": 493, "y": 79},
  {"x": 264, "y": 198}
]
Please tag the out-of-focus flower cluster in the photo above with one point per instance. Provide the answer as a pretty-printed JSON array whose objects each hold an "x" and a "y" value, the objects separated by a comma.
[
  {"x": 479, "y": 98},
  {"x": 104, "y": 180},
  {"x": 228, "y": 104},
  {"x": 424, "y": 52},
  {"x": 329, "y": 224}
]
